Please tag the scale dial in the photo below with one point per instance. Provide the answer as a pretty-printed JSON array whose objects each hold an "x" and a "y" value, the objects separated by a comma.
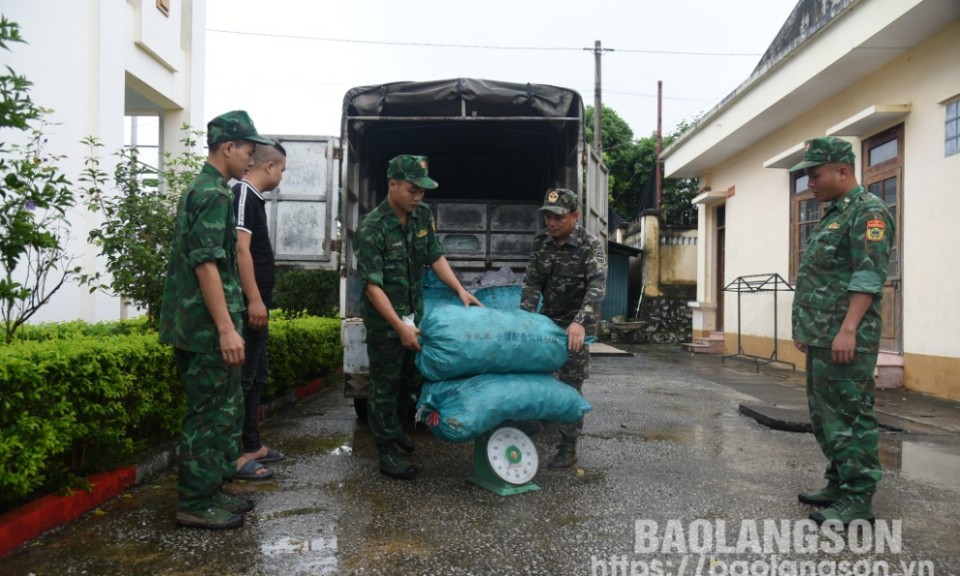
[{"x": 512, "y": 455}]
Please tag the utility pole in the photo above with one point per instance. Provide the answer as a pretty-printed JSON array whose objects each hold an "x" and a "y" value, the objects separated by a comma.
[
  {"x": 597, "y": 101},
  {"x": 659, "y": 139}
]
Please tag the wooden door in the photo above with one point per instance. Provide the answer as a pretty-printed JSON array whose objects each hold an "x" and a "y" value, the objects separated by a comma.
[
  {"x": 882, "y": 158},
  {"x": 721, "y": 243}
]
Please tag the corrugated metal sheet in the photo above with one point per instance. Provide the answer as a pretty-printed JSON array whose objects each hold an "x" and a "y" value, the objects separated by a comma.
[{"x": 615, "y": 303}]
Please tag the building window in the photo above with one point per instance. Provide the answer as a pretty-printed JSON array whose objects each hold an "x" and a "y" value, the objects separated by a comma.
[
  {"x": 143, "y": 133},
  {"x": 805, "y": 212},
  {"x": 953, "y": 128}
]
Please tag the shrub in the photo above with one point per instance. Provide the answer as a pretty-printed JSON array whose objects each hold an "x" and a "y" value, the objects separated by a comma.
[
  {"x": 79, "y": 328},
  {"x": 80, "y": 405},
  {"x": 82, "y": 398},
  {"x": 300, "y": 349},
  {"x": 138, "y": 213},
  {"x": 301, "y": 292},
  {"x": 34, "y": 199}
]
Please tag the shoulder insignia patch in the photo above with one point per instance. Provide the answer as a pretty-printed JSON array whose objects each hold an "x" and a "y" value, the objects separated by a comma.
[
  {"x": 421, "y": 233},
  {"x": 876, "y": 230},
  {"x": 833, "y": 226},
  {"x": 600, "y": 257}
]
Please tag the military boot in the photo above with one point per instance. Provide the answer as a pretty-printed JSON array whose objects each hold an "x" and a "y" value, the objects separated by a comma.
[
  {"x": 209, "y": 519},
  {"x": 392, "y": 464},
  {"x": 566, "y": 457},
  {"x": 232, "y": 504},
  {"x": 846, "y": 510},
  {"x": 824, "y": 497}
]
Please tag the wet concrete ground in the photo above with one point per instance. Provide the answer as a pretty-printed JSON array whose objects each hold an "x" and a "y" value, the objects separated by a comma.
[{"x": 665, "y": 441}]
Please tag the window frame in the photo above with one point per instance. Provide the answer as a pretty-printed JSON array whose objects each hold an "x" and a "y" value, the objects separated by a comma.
[
  {"x": 953, "y": 117},
  {"x": 891, "y": 336},
  {"x": 796, "y": 197},
  {"x": 881, "y": 171}
]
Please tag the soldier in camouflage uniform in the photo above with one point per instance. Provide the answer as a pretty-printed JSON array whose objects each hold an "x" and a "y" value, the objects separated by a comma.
[
  {"x": 201, "y": 313},
  {"x": 836, "y": 322},
  {"x": 568, "y": 268},
  {"x": 395, "y": 242}
]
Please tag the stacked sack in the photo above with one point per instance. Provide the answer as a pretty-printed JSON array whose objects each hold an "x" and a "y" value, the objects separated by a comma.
[{"x": 483, "y": 366}]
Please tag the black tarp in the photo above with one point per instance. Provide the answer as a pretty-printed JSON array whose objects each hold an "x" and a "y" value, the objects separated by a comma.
[{"x": 446, "y": 98}]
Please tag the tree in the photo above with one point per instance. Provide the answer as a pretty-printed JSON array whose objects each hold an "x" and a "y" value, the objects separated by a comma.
[
  {"x": 138, "y": 218},
  {"x": 677, "y": 193},
  {"x": 34, "y": 199},
  {"x": 676, "y": 209},
  {"x": 631, "y": 171},
  {"x": 618, "y": 149}
]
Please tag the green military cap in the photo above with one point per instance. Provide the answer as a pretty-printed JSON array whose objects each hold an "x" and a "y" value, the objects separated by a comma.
[
  {"x": 412, "y": 169},
  {"x": 235, "y": 125},
  {"x": 560, "y": 201},
  {"x": 826, "y": 150}
]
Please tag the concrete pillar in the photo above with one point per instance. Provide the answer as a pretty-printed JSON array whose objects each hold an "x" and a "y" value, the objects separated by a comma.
[{"x": 651, "y": 253}]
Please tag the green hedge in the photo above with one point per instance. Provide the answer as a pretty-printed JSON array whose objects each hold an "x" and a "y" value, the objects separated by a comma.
[
  {"x": 307, "y": 292},
  {"x": 81, "y": 398},
  {"x": 300, "y": 349}
]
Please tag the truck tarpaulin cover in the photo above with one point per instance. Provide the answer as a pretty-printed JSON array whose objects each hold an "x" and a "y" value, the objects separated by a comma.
[{"x": 461, "y": 96}]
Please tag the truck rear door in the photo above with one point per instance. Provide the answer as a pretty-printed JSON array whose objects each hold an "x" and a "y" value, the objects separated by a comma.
[
  {"x": 595, "y": 217},
  {"x": 302, "y": 212}
]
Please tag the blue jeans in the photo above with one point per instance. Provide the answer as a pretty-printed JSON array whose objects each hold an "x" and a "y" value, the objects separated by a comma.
[{"x": 252, "y": 380}]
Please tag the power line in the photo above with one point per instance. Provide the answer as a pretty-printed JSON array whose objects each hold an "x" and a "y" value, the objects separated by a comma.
[
  {"x": 470, "y": 46},
  {"x": 645, "y": 95},
  {"x": 673, "y": 52}
]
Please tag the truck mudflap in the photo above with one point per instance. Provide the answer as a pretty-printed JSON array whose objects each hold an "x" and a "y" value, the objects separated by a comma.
[{"x": 356, "y": 363}]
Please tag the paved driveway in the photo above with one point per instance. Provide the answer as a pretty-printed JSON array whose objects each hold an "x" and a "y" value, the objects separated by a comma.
[{"x": 671, "y": 479}]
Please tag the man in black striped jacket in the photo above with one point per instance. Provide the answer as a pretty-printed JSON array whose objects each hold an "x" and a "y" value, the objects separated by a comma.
[{"x": 257, "y": 275}]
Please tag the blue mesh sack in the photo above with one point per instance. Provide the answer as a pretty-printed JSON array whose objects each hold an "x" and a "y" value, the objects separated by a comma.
[
  {"x": 500, "y": 297},
  {"x": 435, "y": 292},
  {"x": 461, "y": 410},
  {"x": 459, "y": 341},
  {"x": 434, "y": 297}
]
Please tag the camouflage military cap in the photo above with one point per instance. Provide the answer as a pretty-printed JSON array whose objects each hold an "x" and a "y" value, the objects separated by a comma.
[
  {"x": 413, "y": 169},
  {"x": 560, "y": 201},
  {"x": 235, "y": 125},
  {"x": 827, "y": 150}
]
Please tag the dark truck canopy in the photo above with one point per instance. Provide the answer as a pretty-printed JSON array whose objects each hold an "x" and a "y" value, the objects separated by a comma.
[
  {"x": 461, "y": 97},
  {"x": 482, "y": 137}
]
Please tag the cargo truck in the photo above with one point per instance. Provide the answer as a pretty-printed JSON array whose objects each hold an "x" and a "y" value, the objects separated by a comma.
[{"x": 494, "y": 147}]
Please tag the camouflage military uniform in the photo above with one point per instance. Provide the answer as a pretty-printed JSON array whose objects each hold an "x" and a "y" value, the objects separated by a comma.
[
  {"x": 846, "y": 253},
  {"x": 571, "y": 278},
  {"x": 393, "y": 258},
  {"x": 205, "y": 230}
]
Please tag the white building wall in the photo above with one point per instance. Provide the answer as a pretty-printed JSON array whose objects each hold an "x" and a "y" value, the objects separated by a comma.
[
  {"x": 82, "y": 56},
  {"x": 757, "y": 241},
  {"x": 757, "y": 216},
  {"x": 926, "y": 79}
]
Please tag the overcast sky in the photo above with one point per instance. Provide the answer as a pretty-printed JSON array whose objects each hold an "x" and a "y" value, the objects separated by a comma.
[{"x": 289, "y": 62}]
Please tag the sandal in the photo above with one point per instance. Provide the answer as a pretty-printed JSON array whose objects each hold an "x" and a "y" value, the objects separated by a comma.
[
  {"x": 251, "y": 471},
  {"x": 271, "y": 456}
]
